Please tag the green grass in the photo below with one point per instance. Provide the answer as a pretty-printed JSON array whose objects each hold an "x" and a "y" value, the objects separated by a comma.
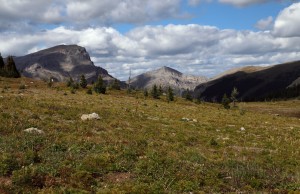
[{"x": 142, "y": 145}]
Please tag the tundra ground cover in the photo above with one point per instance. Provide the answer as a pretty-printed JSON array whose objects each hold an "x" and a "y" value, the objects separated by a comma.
[{"x": 141, "y": 145}]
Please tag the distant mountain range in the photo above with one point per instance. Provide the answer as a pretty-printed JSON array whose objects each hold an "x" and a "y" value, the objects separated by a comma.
[
  {"x": 166, "y": 77},
  {"x": 60, "y": 63},
  {"x": 253, "y": 83}
]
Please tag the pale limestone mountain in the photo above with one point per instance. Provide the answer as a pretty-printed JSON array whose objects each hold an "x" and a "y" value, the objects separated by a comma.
[
  {"x": 60, "y": 63},
  {"x": 166, "y": 77}
]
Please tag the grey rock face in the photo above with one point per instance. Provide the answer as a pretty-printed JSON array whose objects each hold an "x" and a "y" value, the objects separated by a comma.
[
  {"x": 60, "y": 63},
  {"x": 295, "y": 83},
  {"x": 166, "y": 77}
]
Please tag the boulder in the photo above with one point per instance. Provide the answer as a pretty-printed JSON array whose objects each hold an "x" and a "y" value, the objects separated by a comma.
[
  {"x": 34, "y": 130},
  {"x": 93, "y": 116}
]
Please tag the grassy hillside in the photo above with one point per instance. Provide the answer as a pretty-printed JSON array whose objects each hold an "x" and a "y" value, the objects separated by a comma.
[
  {"x": 142, "y": 145},
  {"x": 266, "y": 84}
]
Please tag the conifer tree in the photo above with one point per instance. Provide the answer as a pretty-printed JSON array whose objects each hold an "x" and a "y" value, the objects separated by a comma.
[
  {"x": 2, "y": 65},
  {"x": 233, "y": 96},
  {"x": 1, "y": 62},
  {"x": 170, "y": 94},
  {"x": 83, "y": 82},
  {"x": 160, "y": 90},
  {"x": 188, "y": 96},
  {"x": 226, "y": 102},
  {"x": 155, "y": 92},
  {"x": 116, "y": 85},
  {"x": 99, "y": 86},
  {"x": 146, "y": 93},
  {"x": 11, "y": 70},
  {"x": 70, "y": 82}
]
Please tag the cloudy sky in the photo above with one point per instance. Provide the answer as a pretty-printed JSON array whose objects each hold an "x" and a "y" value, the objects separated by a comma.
[{"x": 199, "y": 37}]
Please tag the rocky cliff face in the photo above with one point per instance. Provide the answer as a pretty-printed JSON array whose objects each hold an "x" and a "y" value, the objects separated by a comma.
[
  {"x": 60, "y": 63},
  {"x": 166, "y": 77}
]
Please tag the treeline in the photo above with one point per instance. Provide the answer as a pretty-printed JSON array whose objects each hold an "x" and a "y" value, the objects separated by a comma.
[
  {"x": 99, "y": 86},
  {"x": 287, "y": 93},
  {"x": 157, "y": 91},
  {"x": 9, "y": 69}
]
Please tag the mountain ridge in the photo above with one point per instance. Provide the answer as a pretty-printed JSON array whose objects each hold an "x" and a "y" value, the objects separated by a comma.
[
  {"x": 256, "y": 85},
  {"x": 165, "y": 77},
  {"x": 60, "y": 63}
]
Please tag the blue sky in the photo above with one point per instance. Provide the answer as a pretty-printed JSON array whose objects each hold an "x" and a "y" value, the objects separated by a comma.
[
  {"x": 199, "y": 37},
  {"x": 223, "y": 16}
]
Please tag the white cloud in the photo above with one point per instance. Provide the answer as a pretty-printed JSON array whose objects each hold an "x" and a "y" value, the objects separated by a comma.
[
  {"x": 31, "y": 11},
  {"x": 122, "y": 11},
  {"x": 265, "y": 24},
  {"x": 194, "y": 2},
  {"x": 287, "y": 22},
  {"x": 196, "y": 49},
  {"x": 242, "y": 3},
  {"x": 80, "y": 13},
  {"x": 197, "y": 2}
]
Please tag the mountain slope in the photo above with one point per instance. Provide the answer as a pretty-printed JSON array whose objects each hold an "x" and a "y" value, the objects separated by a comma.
[
  {"x": 60, "y": 63},
  {"x": 247, "y": 69},
  {"x": 256, "y": 85},
  {"x": 165, "y": 77}
]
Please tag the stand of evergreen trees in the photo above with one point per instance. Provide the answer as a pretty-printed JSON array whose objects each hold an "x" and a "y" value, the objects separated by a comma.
[
  {"x": 290, "y": 92},
  {"x": 9, "y": 69}
]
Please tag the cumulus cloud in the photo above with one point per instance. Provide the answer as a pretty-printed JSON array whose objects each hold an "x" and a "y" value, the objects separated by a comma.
[
  {"x": 87, "y": 13},
  {"x": 287, "y": 22},
  {"x": 242, "y": 3},
  {"x": 265, "y": 24},
  {"x": 194, "y": 49},
  {"x": 193, "y": 2},
  {"x": 31, "y": 11}
]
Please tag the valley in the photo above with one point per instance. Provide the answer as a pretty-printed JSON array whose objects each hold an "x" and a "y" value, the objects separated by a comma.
[{"x": 142, "y": 145}]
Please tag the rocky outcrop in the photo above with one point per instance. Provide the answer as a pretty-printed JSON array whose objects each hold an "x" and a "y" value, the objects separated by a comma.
[
  {"x": 166, "y": 77},
  {"x": 93, "y": 116},
  {"x": 295, "y": 83},
  {"x": 60, "y": 63},
  {"x": 34, "y": 130}
]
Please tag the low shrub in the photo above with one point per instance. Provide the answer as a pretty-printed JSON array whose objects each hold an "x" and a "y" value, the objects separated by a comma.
[{"x": 8, "y": 164}]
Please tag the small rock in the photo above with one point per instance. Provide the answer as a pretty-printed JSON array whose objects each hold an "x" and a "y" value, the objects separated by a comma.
[
  {"x": 185, "y": 119},
  {"x": 34, "y": 130},
  {"x": 243, "y": 129},
  {"x": 93, "y": 116}
]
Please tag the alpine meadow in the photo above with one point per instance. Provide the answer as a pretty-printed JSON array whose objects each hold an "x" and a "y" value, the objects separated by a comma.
[
  {"x": 149, "y": 96},
  {"x": 142, "y": 145}
]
